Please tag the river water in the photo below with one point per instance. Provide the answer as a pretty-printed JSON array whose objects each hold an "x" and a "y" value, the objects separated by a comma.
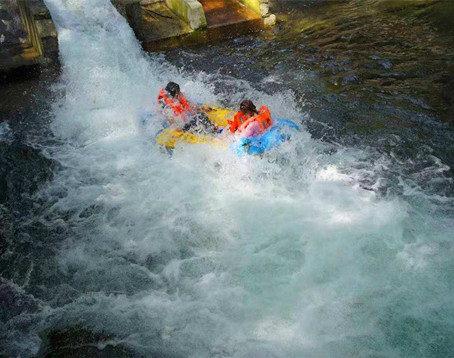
[{"x": 337, "y": 244}]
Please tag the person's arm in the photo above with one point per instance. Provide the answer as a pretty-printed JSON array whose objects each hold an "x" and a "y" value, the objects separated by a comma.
[{"x": 233, "y": 125}]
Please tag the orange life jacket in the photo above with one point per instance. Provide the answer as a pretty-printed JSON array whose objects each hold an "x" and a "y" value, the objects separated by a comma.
[
  {"x": 179, "y": 107},
  {"x": 240, "y": 122}
]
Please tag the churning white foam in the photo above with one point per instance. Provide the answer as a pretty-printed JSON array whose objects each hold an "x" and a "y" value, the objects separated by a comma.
[{"x": 5, "y": 132}]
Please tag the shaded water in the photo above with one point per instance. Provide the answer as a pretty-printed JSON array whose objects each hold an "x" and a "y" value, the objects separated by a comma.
[{"x": 338, "y": 244}]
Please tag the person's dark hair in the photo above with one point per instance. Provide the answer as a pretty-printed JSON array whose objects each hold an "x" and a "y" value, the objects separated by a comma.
[
  {"x": 172, "y": 88},
  {"x": 248, "y": 107}
]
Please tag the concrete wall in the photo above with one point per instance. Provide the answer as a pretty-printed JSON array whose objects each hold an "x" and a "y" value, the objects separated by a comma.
[
  {"x": 191, "y": 11},
  {"x": 27, "y": 34},
  {"x": 42, "y": 31}
]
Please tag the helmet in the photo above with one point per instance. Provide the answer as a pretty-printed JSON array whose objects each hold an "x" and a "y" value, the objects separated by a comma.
[{"x": 172, "y": 88}]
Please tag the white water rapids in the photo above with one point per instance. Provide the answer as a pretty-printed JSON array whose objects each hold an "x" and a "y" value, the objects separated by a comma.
[{"x": 204, "y": 254}]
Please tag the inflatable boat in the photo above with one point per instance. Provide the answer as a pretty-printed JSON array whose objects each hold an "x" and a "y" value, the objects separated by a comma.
[
  {"x": 169, "y": 137},
  {"x": 279, "y": 132}
]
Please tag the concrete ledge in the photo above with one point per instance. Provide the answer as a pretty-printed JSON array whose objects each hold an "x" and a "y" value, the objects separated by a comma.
[
  {"x": 202, "y": 37},
  {"x": 191, "y": 11}
]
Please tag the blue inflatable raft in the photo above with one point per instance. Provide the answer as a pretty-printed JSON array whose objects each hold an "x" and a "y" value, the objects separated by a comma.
[{"x": 279, "y": 132}]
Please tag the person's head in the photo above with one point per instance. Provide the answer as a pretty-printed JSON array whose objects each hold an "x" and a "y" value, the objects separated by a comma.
[
  {"x": 173, "y": 89},
  {"x": 247, "y": 107}
]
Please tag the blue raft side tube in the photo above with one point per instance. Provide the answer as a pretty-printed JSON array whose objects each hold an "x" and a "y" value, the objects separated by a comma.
[{"x": 273, "y": 137}]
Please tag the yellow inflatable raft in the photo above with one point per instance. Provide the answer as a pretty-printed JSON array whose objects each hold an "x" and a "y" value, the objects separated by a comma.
[{"x": 170, "y": 137}]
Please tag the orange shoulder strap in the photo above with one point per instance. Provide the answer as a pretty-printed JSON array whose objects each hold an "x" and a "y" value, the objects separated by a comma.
[
  {"x": 264, "y": 117},
  {"x": 237, "y": 120},
  {"x": 184, "y": 102}
]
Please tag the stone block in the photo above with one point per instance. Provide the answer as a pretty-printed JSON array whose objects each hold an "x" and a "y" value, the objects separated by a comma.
[
  {"x": 191, "y": 11},
  {"x": 270, "y": 20},
  {"x": 46, "y": 28},
  {"x": 264, "y": 10},
  {"x": 38, "y": 9}
]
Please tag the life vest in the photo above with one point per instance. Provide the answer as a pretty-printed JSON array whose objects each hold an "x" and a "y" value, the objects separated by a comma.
[
  {"x": 263, "y": 119},
  {"x": 179, "y": 107},
  {"x": 238, "y": 120}
]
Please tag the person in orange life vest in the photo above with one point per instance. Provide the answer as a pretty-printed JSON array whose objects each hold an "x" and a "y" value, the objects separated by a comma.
[
  {"x": 174, "y": 103},
  {"x": 249, "y": 121},
  {"x": 177, "y": 107}
]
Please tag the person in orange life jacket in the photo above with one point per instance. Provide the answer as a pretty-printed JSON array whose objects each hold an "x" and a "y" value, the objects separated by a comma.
[
  {"x": 174, "y": 103},
  {"x": 249, "y": 121},
  {"x": 177, "y": 106}
]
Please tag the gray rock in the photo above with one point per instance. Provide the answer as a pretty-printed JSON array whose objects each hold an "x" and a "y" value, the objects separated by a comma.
[
  {"x": 264, "y": 9},
  {"x": 270, "y": 20}
]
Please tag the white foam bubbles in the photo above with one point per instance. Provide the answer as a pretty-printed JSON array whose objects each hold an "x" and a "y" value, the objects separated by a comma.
[{"x": 5, "y": 132}]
